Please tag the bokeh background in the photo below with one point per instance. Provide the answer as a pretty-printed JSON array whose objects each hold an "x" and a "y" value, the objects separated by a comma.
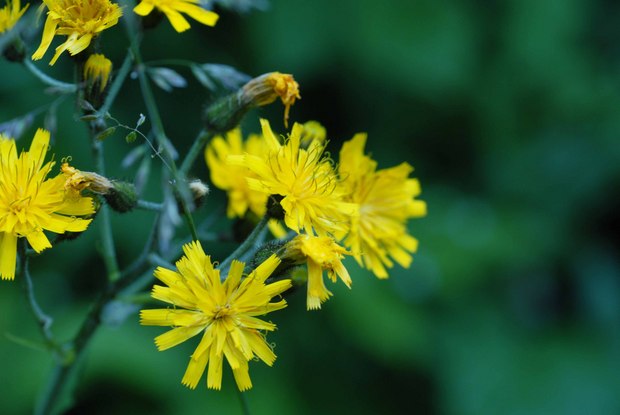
[{"x": 509, "y": 111}]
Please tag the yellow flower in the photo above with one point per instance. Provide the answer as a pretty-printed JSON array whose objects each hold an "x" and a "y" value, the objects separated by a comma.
[
  {"x": 10, "y": 14},
  {"x": 265, "y": 89},
  {"x": 387, "y": 199},
  {"x": 77, "y": 180},
  {"x": 232, "y": 179},
  {"x": 97, "y": 70},
  {"x": 80, "y": 20},
  {"x": 173, "y": 9},
  {"x": 313, "y": 130},
  {"x": 224, "y": 312},
  {"x": 311, "y": 195},
  {"x": 321, "y": 253},
  {"x": 30, "y": 204}
]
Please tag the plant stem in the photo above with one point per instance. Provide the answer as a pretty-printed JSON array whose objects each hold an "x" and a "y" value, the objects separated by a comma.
[
  {"x": 194, "y": 150},
  {"x": 108, "y": 250},
  {"x": 146, "y": 205},
  {"x": 247, "y": 244},
  {"x": 43, "y": 320},
  {"x": 46, "y": 79},
  {"x": 244, "y": 402}
]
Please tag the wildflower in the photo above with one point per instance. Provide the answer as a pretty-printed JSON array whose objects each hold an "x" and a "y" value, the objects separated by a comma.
[
  {"x": 226, "y": 113},
  {"x": 80, "y": 20},
  {"x": 30, "y": 203},
  {"x": 232, "y": 179},
  {"x": 173, "y": 9},
  {"x": 10, "y": 14},
  {"x": 310, "y": 193},
  {"x": 97, "y": 70},
  {"x": 266, "y": 88},
  {"x": 312, "y": 130},
  {"x": 321, "y": 253},
  {"x": 77, "y": 180},
  {"x": 387, "y": 199},
  {"x": 121, "y": 196},
  {"x": 224, "y": 312}
]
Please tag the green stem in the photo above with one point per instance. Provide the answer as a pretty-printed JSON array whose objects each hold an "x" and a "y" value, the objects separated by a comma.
[
  {"x": 164, "y": 145},
  {"x": 107, "y": 239},
  {"x": 146, "y": 205},
  {"x": 248, "y": 244},
  {"x": 195, "y": 150},
  {"x": 43, "y": 320},
  {"x": 244, "y": 402},
  {"x": 46, "y": 79}
]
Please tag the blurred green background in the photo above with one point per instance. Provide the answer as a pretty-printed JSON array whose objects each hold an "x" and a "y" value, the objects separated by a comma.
[{"x": 509, "y": 110}]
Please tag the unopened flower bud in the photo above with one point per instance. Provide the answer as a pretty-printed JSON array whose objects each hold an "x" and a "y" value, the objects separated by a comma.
[
  {"x": 97, "y": 71},
  {"x": 122, "y": 197},
  {"x": 96, "y": 75}
]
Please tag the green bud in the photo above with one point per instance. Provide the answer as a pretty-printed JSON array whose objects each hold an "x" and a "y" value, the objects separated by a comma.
[
  {"x": 224, "y": 114},
  {"x": 122, "y": 197}
]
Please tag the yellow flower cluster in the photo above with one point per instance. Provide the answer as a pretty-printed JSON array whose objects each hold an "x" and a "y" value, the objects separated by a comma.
[{"x": 356, "y": 204}]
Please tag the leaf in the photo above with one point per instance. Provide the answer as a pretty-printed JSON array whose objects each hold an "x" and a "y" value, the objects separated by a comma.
[
  {"x": 202, "y": 77},
  {"x": 131, "y": 137},
  {"x": 167, "y": 79},
  {"x": 140, "y": 120},
  {"x": 105, "y": 133},
  {"x": 226, "y": 76},
  {"x": 15, "y": 128}
]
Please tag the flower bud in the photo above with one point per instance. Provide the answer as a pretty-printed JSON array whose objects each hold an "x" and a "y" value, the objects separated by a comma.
[
  {"x": 121, "y": 196},
  {"x": 226, "y": 113}
]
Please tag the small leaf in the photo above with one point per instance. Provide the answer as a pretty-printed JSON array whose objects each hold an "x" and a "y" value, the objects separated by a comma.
[
  {"x": 167, "y": 79},
  {"x": 105, "y": 133},
  {"x": 227, "y": 76},
  {"x": 140, "y": 120},
  {"x": 90, "y": 117},
  {"x": 16, "y": 127},
  {"x": 131, "y": 137},
  {"x": 202, "y": 77},
  {"x": 87, "y": 106}
]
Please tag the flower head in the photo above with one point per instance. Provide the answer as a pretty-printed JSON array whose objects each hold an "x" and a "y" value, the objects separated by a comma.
[
  {"x": 173, "y": 9},
  {"x": 321, "y": 253},
  {"x": 312, "y": 198},
  {"x": 30, "y": 203},
  {"x": 387, "y": 199},
  {"x": 97, "y": 70},
  {"x": 10, "y": 14},
  {"x": 232, "y": 179},
  {"x": 265, "y": 89},
  {"x": 80, "y": 20},
  {"x": 77, "y": 180},
  {"x": 224, "y": 312}
]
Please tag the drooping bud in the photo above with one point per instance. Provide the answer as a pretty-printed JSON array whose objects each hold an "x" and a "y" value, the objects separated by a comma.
[
  {"x": 226, "y": 113},
  {"x": 121, "y": 196}
]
